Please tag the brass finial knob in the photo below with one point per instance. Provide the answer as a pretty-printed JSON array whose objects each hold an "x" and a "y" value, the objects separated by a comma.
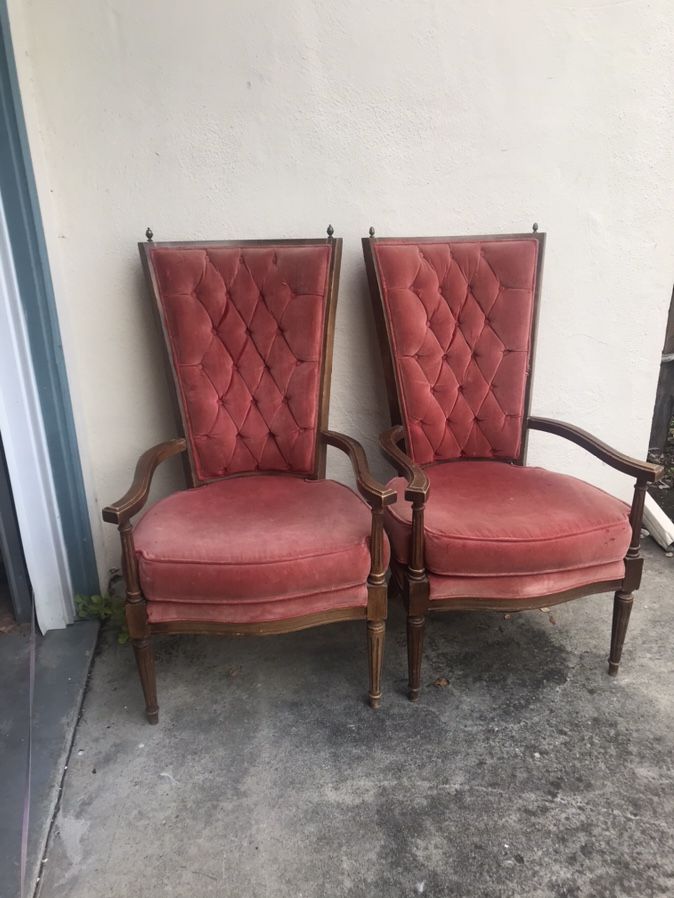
[
  {"x": 331, "y": 230},
  {"x": 371, "y": 232},
  {"x": 535, "y": 227},
  {"x": 149, "y": 234}
]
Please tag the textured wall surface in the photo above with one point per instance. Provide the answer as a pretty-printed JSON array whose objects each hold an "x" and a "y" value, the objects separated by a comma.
[{"x": 257, "y": 119}]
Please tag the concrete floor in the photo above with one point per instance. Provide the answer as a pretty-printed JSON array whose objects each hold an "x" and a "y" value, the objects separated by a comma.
[
  {"x": 62, "y": 663},
  {"x": 532, "y": 773}
]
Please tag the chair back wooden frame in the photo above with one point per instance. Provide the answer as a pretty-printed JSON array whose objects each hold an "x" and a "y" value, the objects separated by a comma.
[
  {"x": 374, "y": 493},
  {"x": 412, "y": 580}
]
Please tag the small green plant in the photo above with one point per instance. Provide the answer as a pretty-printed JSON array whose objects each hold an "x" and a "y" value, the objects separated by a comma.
[{"x": 105, "y": 609}]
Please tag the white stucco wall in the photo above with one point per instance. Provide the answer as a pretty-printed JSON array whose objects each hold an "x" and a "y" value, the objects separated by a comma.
[{"x": 254, "y": 118}]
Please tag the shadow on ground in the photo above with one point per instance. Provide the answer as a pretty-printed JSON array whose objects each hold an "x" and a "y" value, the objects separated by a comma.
[{"x": 532, "y": 773}]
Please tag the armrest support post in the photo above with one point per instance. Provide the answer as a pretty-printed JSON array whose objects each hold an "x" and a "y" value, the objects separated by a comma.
[
  {"x": 377, "y": 569},
  {"x": 416, "y": 568},
  {"x": 636, "y": 517}
]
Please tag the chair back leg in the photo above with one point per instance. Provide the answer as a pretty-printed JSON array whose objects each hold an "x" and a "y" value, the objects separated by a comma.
[
  {"x": 416, "y": 626},
  {"x": 622, "y": 607}
]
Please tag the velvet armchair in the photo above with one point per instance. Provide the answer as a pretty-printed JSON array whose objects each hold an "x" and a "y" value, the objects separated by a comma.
[
  {"x": 475, "y": 528},
  {"x": 260, "y": 542}
]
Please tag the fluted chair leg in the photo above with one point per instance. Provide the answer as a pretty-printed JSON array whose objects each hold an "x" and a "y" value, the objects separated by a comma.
[
  {"x": 145, "y": 660},
  {"x": 622, "y": 607},
  {"x": 415, "y": 644},
  {"x": 375, "y": 655}
]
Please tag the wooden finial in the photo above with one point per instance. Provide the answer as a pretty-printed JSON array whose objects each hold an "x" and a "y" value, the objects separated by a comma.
[
  {"x": 371, "y": 232},
  {"x": 149, "y": 234},
  {"x": 331, "y": 230},
  {"x": 535, "y": 227}
]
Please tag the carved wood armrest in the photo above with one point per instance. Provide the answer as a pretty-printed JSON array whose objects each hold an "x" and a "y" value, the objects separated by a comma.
[
  {"x": 417, "y": 480},
  {"x": 375, "y": 494},
  {"x": 136, "y": 496},
  {"x": 642, "y": 470}
]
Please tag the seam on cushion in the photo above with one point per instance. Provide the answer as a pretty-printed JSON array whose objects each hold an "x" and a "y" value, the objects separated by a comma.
[
  {"x": 565, "y": 570},
  {"x": 492, "y": 598},
  {"x": 519, "y": 539},
  {"x": 260, "y": 601},
  {"x": 155, "y": 560}
]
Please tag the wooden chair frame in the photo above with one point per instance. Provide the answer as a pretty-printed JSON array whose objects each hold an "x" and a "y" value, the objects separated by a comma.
[
  {"x": 375, "y": 494},
  {"x": 411, "y": 580}
]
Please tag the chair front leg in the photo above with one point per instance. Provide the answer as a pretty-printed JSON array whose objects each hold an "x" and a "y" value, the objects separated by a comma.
[
  {"x": 376, "y": 607},
  {"x": 416, "y": 600},
  {"x": 624, "y": 599},
  {"x": 139, "y": 629}
]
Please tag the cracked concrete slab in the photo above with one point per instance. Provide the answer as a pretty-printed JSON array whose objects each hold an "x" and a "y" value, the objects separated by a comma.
[{"x": 531, "y": 773}]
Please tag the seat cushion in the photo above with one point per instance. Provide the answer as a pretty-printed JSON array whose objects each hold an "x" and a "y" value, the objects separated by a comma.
[
  {"x": 259, "y": 539},
  {"x": 487, "y": 520}
]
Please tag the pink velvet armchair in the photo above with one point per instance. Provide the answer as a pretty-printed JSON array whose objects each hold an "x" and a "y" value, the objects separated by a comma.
[
  {"x": 474, "y": 527},
  {"x": 260, "y": 542}
]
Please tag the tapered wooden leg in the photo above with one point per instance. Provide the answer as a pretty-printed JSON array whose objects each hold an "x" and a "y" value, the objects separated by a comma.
[
  {"x": 622, "y": 606},
  {"x": 375, "y": 656},
  {"x": 145, "y": 660},
  {"x": 415, "y": 644}
]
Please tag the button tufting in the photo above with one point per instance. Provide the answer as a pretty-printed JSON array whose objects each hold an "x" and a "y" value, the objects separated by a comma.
[
  {"x": 462, "y": 317},
  {"x": 256, "y": 302}
]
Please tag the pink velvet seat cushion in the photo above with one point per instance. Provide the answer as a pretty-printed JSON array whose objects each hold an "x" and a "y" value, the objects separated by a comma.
[
  {"x": 260, "y": 539},
  {"x": 486, "y": 520}
]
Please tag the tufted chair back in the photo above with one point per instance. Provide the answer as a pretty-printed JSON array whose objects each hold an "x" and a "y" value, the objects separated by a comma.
[
  {"x": 247, "y": 330},
  {"x": 457, "y": 315}
]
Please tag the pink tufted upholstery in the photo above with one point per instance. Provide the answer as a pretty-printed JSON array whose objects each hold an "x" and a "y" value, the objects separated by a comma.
[
  {"x": 245, "y": 328},
  {"x": 460, "y": 318},
  {"x": 255, "y": 548}
]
